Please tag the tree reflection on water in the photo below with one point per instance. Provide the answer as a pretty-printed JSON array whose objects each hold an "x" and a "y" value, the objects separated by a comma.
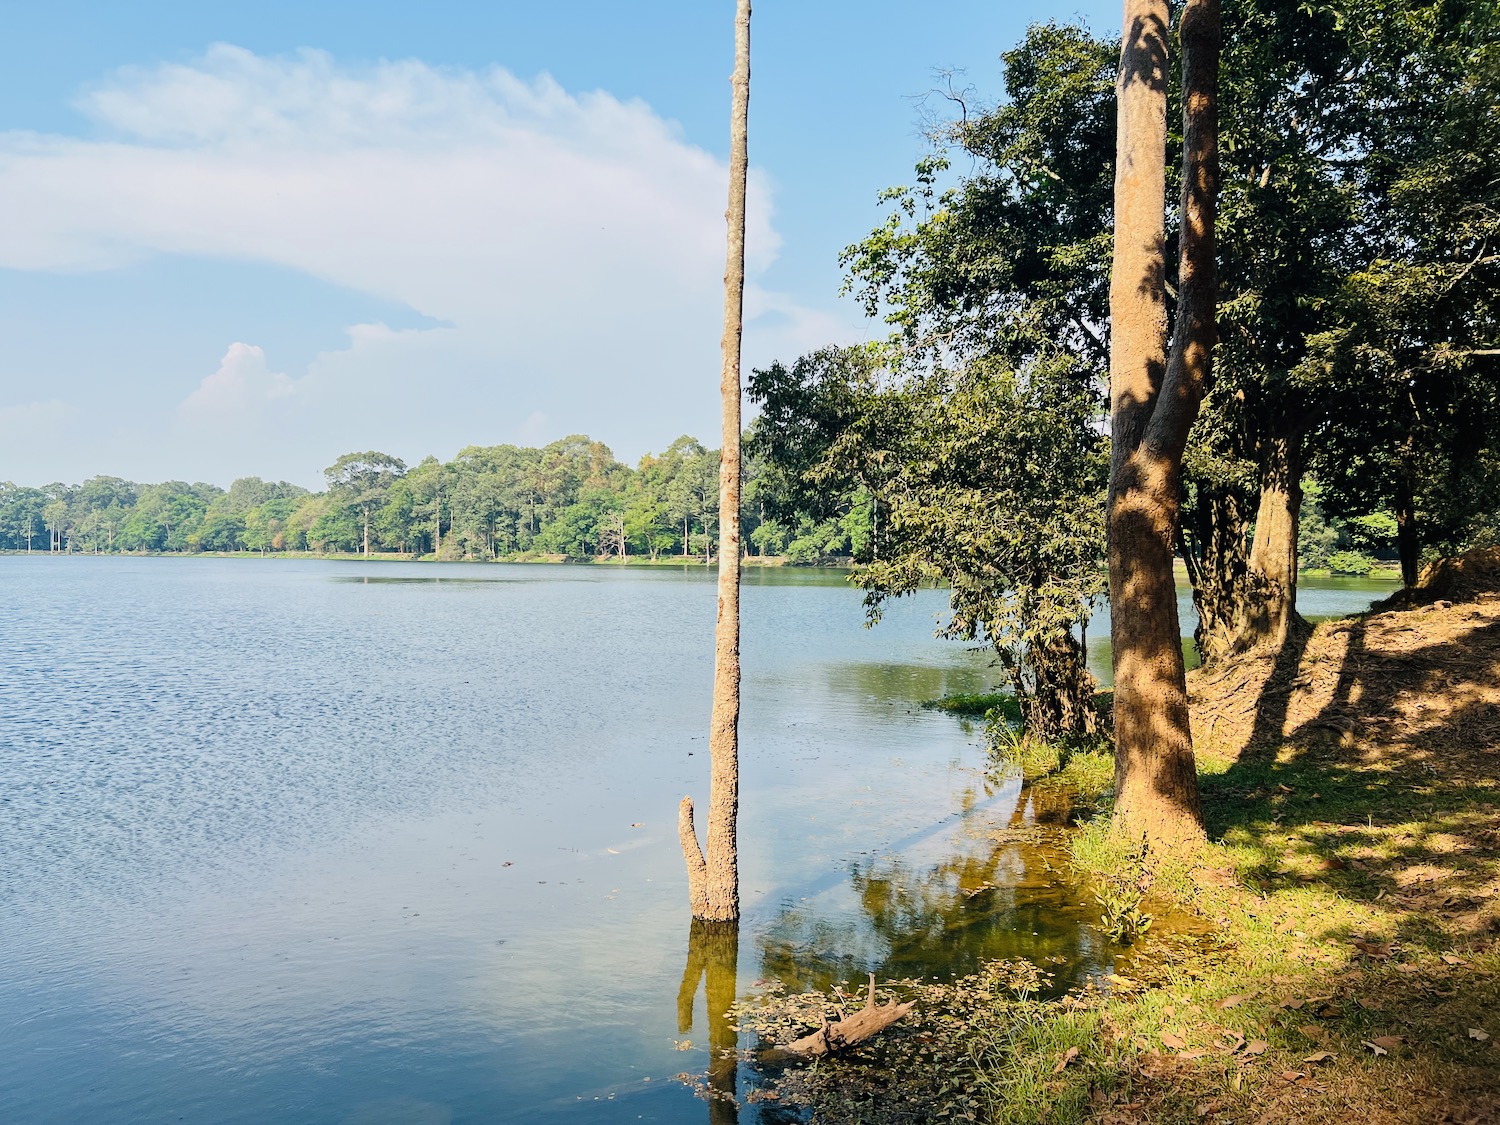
[
  {"x": 998, "y": 895},
  {"x": 714, "y": 952}
]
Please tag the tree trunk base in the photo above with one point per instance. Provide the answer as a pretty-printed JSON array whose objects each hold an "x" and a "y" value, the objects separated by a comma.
[{"x": 869, "y": 1021}]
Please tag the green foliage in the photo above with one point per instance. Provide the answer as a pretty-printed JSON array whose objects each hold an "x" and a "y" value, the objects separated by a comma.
[
  {"x": 1120, "y": 915},
  {"x": 1407, "y": 351},
  {"x": 974, "y": 428},
  {"x": 569, "y": 498},
  {"x": 1014, "y": 259},
  {"x": 1317, "y": 537},
  {"x": 1350, "y": 563},
  {"x": 993, "y": 484}
]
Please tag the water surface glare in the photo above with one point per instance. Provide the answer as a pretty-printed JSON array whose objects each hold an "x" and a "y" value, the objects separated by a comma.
[{"x": 395, "y": 842}]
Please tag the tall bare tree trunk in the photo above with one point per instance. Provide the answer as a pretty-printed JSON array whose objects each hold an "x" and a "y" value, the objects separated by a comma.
[
  {"x": 1154, "y": 398},
  {"x": 714, "y": 879}
]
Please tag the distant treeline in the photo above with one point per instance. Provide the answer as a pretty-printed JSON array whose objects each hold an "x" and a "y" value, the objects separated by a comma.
[{"x": 571, "y": 498}]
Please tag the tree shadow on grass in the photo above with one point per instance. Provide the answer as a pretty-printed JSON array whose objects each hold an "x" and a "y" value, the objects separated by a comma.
[{"x": 1372, "y": 766}]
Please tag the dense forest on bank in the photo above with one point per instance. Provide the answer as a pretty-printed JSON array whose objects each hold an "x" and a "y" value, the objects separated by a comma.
[{"x": 571, "y": 498}]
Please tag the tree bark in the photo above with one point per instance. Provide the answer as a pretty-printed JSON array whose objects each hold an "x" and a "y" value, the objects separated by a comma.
[
  {"x": 1273, "y": 553},
  {"x": 1408, "y": 542},
  {"x": 1218, "y": 563},
  {"x": 1061, "y": 701},
  {"x": 713, "y": 878},
  {"x": 1154, "y": 398}
]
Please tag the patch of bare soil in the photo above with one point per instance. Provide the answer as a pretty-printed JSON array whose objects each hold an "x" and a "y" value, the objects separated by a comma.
[
  {"x": 1363, "y": 756},
  {"x": 1419, "y": 686}
]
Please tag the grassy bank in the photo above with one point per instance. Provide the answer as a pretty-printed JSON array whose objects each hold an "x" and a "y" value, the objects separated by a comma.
[{"x": 1330, "y": 956}]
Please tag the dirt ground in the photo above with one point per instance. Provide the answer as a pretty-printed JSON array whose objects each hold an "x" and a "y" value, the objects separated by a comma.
[
  {"x": 1408, "y": 698},
  {"x": 1361, "y": 760}
]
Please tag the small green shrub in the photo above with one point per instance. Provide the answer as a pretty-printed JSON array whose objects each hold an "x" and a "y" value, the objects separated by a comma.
[{"x": 1120, "y": 914}]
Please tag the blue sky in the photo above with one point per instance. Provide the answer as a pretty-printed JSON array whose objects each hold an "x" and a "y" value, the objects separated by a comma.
[{"x": 244, "y": 238}]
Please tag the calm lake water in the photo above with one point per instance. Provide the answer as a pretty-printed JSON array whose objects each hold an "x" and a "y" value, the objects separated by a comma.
[{"x": 395, "y": 842}]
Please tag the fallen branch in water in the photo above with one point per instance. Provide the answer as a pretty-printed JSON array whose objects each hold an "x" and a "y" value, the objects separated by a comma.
[{"x": 870, "y": 1020}]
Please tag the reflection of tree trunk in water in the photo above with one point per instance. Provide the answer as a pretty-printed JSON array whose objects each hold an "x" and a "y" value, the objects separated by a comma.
[{"x": 714, "y": 949}]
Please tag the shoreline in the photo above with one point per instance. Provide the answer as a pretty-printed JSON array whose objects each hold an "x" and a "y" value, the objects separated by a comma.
[{"x": 1382, "y": 573}]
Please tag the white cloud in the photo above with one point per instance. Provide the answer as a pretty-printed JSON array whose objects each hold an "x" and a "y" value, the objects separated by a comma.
[
  {"x": 467, "y": 196},
  {"x": 242, "y": 385},
  {"x": 570, "y": 244}
]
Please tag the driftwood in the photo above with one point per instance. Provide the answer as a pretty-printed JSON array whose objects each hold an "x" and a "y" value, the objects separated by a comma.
[{"x": 870, "y": 1020}]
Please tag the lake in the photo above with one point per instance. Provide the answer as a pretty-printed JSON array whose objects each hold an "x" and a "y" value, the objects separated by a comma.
[{"x": 395, "y": 842}]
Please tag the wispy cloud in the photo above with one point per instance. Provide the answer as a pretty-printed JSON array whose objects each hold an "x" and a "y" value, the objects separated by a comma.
[
  {"x": 571, "y": 244},
  {"x": 34, "y": 418}
]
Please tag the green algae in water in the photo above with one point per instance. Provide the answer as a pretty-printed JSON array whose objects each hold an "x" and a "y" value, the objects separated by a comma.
[{"x": 977, "y": 706}]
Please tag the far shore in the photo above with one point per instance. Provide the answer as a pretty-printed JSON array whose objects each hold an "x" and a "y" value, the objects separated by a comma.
[{"x": 1383, "y": 572}]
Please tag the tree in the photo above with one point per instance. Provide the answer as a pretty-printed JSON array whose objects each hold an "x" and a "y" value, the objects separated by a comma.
[
  {"x": 1154, "y": 399},
  {"x": 1013, "y": 261},
  {"x": 1359, "y": 219},
  {"x": 713, "y": 879},
  {"x": 361, "y": 480},
  {"x": 1412, "y": 353},
  {"x": 994, "y": 486},
  {"x": 21, "y": 518},
  {"x": 996, "y": 289},
  {"x": 56, "y": 516},
  {"x": 805, "y": 411},
  {"x": 1284, "y": 214}
]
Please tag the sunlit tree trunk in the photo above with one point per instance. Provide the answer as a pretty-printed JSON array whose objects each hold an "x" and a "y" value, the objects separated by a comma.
[
  {"x": 713, "y": 879},
  {"x": 1154, "y": 397}
]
